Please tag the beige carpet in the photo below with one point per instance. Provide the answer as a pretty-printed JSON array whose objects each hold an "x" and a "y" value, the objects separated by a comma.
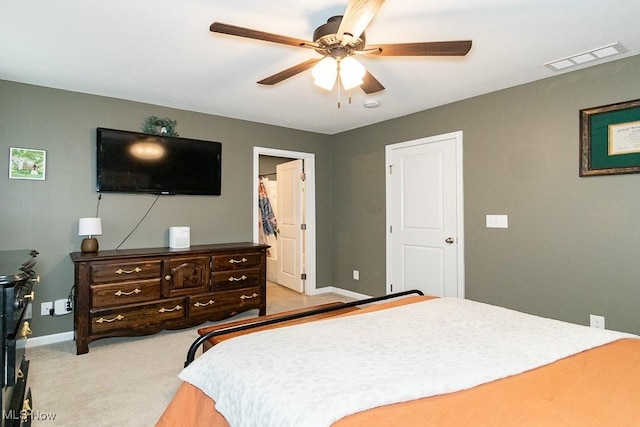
[{"x": 124, "y": 381}]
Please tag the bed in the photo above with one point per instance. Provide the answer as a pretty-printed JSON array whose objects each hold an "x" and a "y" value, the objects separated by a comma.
[{"x": 414, "y": 361}]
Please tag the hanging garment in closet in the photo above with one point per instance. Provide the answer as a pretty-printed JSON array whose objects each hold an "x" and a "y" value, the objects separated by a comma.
[{"x": 269, "y": 222}]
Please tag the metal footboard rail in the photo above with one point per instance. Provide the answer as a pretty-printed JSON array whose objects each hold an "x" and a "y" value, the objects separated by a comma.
[{"x": 191, "y": 354}]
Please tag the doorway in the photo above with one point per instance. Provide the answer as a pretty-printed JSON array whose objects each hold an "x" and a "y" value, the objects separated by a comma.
[
  {"x": 425, "y": 216},
  {"x": 305, "y": 250}
]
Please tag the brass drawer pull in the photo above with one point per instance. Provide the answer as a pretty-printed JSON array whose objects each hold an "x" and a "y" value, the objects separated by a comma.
[
  {"x": 236, "y": 261},
  {"x": 203, "y": 304},
  {"x": 25, "y": 331},
  {"x": 243, "y": 297},
  {"x": 102, "y": 319},
  {"x": 237, "y": 279},
  {"x": 166, "y": 310},
  {"x": 25, "y": 413},
  {"x": 135, "y": 270},
  {"x": 121, "y": 293}
]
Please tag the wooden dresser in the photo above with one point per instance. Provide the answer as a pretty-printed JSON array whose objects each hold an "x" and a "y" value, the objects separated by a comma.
[{"x": 143, "y": 291}]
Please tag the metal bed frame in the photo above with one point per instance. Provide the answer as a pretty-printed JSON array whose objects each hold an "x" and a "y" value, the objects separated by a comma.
[{"x": 191, "y": 354}]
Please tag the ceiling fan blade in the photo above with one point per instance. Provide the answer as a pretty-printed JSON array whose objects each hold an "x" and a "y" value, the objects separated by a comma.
[
  {"x": 219, "y": 27},
  {"x": 371, "y": 84},
  {"x": 450, "y": 48},
  {"x": 357, "y": 16},
  {"x": 289, "y": 72}
]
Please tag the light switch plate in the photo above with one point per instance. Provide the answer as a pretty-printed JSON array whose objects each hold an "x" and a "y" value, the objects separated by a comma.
[{"x": 497, "y": 221}]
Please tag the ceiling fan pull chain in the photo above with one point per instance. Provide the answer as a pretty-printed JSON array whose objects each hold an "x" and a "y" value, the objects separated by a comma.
[{"x": 339, "y": 92}]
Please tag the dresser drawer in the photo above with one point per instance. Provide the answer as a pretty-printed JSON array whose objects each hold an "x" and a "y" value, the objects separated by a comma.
[
  {"x": 235, "y": 262},
  {"x": 121, "y": 271},
  {"x": 224, "y": 302},
  {"x": 137, "y": 316},
  {"x": 235, "y": 279},
  {"x": 125, "y": 293}
]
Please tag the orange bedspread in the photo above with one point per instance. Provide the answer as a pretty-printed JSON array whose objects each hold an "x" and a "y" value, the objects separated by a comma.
[{"x": 598, "y": 387}]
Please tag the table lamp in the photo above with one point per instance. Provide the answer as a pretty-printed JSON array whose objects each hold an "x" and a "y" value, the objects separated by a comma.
[{"x": 89, "y": 227}]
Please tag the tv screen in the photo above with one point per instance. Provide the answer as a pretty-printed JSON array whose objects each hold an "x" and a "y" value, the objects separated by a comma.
[{"x": 132, "y": 162}]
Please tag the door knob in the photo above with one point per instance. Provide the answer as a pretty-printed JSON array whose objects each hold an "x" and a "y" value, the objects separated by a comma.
[{"x": 449, "y": 240}]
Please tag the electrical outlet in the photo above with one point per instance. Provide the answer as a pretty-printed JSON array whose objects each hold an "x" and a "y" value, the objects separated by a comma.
[
  {"x": 356, "y": 275},
  {"x": 60, "y": 307},
  {"x": 45, "y": 308},
  {"x": 596, "y": 321}
]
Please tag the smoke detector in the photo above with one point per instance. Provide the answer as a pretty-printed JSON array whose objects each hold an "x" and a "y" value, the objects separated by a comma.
[{"x": 370, "y": 103}]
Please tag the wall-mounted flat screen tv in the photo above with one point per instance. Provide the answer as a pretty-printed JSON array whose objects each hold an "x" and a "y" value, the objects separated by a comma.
[{"x": 132, "y": 162}]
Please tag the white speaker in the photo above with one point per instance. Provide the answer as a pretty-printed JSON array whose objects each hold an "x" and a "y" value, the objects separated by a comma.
[{"x": 179, "y": 237}]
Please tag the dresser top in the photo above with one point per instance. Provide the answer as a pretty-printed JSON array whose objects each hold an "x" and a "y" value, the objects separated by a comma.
[
  {"x": 15, "y": 264},
  {"x": 142, "y": 252}
]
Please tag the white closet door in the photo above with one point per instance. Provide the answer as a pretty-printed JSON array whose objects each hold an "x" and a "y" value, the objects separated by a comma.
[{"x": 424, "y": 236}]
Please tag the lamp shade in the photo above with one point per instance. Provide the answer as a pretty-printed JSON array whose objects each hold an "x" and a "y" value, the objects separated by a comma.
[
  {"x": 325, "y": 73},
  {"x": 351, "y": 72},
  {"x": 90, "y": 227}
]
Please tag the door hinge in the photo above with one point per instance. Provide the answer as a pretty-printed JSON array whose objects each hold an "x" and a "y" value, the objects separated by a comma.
[
  {"x": 390, "y": 169},
  {"x": 303, "y": 176},
  {"x": 303, "y": 227},
  {"x": 391, "y": 287},
  {"x": 303, "y": 276},
  {"x": 391, "y": 229}
]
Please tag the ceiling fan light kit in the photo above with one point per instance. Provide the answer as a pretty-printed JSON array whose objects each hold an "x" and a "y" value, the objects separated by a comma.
[
  {"x": 326, "y": 72},
  {"x": 337, "y": 41}
]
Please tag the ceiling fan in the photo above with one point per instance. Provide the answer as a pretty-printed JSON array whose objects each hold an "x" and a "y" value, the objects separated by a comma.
[{"x": 339, "y": 41}]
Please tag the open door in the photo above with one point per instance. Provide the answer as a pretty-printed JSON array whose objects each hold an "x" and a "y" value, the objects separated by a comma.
[
  {"x": 290, "y": 224},
  {"x": 308, "y": 252}
]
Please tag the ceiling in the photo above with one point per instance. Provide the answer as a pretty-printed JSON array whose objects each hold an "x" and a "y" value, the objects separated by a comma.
[{"x": 162, "y": 52}]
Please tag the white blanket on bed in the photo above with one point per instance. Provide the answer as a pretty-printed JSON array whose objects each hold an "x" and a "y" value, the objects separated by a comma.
[{"x": 316, "y": 373}]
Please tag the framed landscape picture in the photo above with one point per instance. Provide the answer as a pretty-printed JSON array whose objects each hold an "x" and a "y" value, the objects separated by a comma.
[{"x": 27, "y": 163}]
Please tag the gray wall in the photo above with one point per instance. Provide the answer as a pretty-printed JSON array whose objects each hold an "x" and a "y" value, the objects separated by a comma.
[
  {"x": 571, "y": 248},
  {"x": 44, "y": 214}
]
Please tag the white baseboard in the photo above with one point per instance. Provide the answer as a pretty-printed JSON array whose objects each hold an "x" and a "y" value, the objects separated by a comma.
[
  {"x": 340, "y": 291},
  {"x": 50, "y": 339}
]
